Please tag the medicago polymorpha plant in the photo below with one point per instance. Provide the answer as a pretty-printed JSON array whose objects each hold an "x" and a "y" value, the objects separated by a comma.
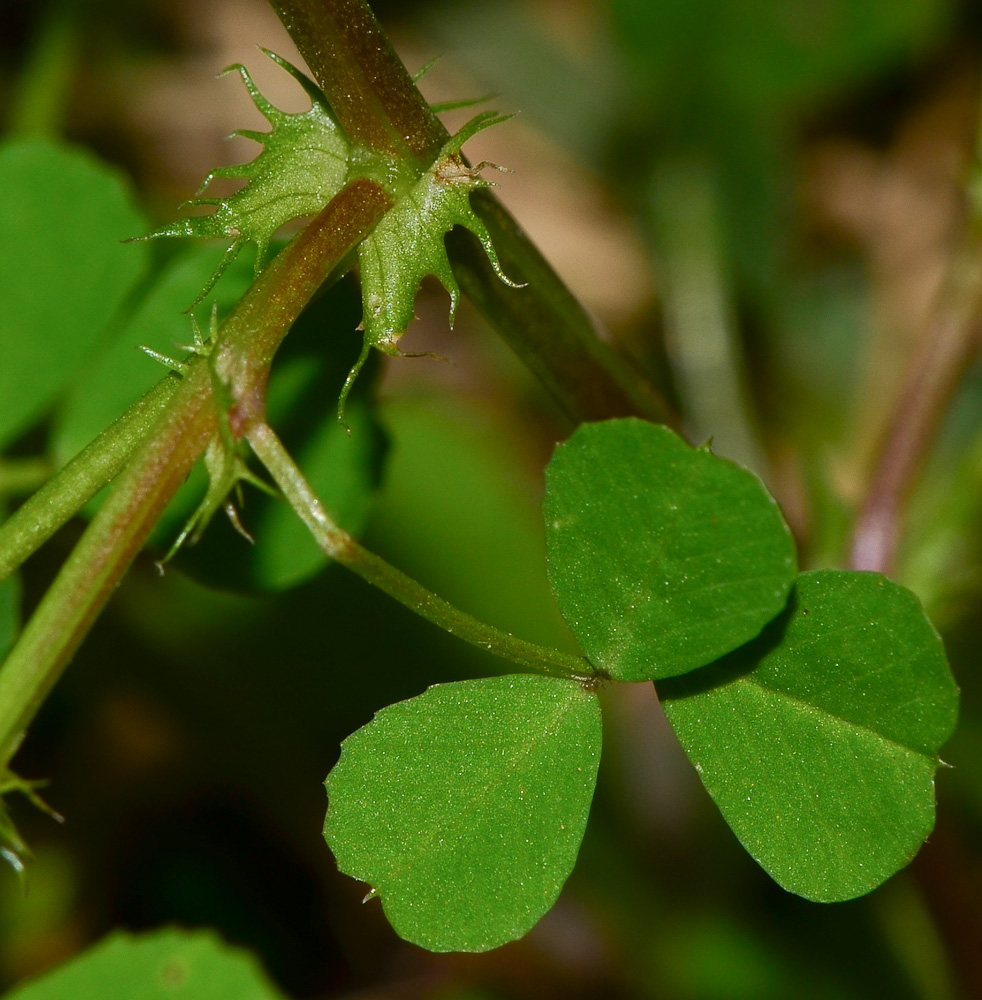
[{"x": 813, "y": 705}]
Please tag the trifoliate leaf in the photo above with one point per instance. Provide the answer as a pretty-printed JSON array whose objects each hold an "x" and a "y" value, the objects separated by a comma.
[
  {"x": 662, "y": 557},
  {"x": 819, "y": 740},
  {"x": 407, "y": 245},
  {"x": 464, "y": 808},
  {"x": 301, "y": 167}
]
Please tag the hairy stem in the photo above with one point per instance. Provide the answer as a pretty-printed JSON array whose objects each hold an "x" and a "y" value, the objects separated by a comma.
[
  {"x": 341, "y": 547},
  {"x": 254, "y": 330}
]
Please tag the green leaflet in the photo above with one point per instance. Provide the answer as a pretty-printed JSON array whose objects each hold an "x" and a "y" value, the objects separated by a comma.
[
  {"x": 302, "y": 166},
  {"x": 465, "y": 807},
  {"x": 819, "y": 740},
  {"x": 662, "y": 557},
  {"x": 167, "y": 964}
]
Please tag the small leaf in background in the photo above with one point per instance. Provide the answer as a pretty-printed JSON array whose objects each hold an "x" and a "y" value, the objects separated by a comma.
[
  {"x": 819, "y": 741},
  {"x": 64, "y": 272},
  {"x": 662, "y": 557},
  {"x": 464, "y": 808},
  {"x": 167, "y": 964}
]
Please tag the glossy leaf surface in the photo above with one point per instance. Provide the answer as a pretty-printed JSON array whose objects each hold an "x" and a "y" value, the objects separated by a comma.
[
  {"x": 464, "y": 808},
  {"x": 663, "y": 557},
  {"x": 819, "y": 741},
  {"x": 64, "y": 272},
  {"x": 165, "y": 965}
]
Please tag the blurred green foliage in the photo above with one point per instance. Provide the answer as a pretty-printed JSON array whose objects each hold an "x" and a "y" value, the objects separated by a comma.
[
  {"x": 169, "y": 964},
  {"x": 65, "y": 273}
]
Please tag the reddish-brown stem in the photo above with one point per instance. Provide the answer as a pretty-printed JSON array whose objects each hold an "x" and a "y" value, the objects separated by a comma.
[
  {"x": 936, "y": 369},
  {"x": 365, "y": 82},
  {"x": 254, "y": 330},
  {"x": 380, "y": 108},
  {"x": 247, "y": 341},
  {"x": 103, "y": 554}
]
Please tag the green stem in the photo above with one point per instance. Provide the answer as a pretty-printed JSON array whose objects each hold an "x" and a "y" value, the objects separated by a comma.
[
  {"x": 341, "y": 547},
  {"x": 547, "y": 327},
  {"x": 254, "y": 330},
  {"x": 103, "y": 554},
  {"x": 247, "y": 341},
  {"x": 700, "y": 322},
  {"x": 70, "y": 489}
]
